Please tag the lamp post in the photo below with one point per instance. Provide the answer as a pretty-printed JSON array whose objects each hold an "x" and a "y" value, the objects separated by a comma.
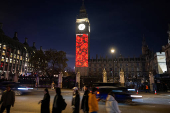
[{"x": 112, "y": 51}]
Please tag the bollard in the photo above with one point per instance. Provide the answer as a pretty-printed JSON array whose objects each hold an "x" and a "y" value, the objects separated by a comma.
[
  {"x": 155, "y": 92},
  {"x": 137, "y": 91}
]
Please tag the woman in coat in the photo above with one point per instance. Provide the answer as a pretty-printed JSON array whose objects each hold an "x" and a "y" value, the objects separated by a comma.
[
  {"x": 75, "y": 100},
  {"x": 58, "y": 99},
  {"x": 111, "y": 104},
  {"x": 45, "y": 103},
  {"x": 84, "y": 103}
]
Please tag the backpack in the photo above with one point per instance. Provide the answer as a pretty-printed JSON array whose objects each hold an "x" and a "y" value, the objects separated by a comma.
[{"x": 64, "y": 104}]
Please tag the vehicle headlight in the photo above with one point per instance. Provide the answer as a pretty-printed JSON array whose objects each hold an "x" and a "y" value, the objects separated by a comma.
[{"x": 135, "y": 96}]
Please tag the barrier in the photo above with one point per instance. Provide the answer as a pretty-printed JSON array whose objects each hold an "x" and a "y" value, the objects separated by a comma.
[{"x": 155, "y": 92}]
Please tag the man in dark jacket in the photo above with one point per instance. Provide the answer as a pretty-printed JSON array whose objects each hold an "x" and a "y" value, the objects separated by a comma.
[
  {"x": 7, "y": 100},
  {"x": 84, "y": 103},
  {"x": 58, "y": 99}
]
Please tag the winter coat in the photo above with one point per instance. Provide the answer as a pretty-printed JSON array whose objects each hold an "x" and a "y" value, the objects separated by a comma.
[
  {"x": 45, "y": 104},
  {"x": 92, "y": 103},
  {"x": 76, "y": 103},
  {"x": 58, "y": 99},
  {"x": 112, "y": 105},
  {"x": 84, "y": 103},
  {"x": 8, "y": 98}
]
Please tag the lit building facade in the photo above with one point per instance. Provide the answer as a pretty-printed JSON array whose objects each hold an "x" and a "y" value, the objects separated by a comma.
[{"x": 14, "y": 56}]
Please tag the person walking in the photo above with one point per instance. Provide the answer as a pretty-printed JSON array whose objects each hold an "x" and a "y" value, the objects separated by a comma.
[
  {"x": 147, "y": 88},
  {"x": 92, "y": 101},
  {"x": 84, "y": 103},
  {"x": 7, "y": 100},
  {"x": 58, "y": 99},
  {"x": 53, "y": 85},
  {"x": 45, "y": 103},
  {"x": 75, "y": 100},
  {"x": 111, "y": 104}
]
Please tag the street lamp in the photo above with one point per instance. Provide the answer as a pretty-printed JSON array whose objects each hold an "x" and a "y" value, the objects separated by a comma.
[{"x": 112, "y": 51}]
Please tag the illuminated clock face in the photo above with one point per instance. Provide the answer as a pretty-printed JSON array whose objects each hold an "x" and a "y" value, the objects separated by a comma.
[{"x": 81, "y": 27}]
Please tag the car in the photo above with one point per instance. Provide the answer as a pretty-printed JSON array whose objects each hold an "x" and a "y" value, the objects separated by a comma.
[
  {"x": 122, "y": 94},
  {"x": 18, "y": 88}
]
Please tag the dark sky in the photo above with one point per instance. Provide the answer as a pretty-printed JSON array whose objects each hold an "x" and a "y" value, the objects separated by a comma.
[{"x": 114, "y": 23}]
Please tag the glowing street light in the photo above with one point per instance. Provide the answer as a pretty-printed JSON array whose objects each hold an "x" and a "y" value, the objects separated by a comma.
[{"x": 112, "y": 50}]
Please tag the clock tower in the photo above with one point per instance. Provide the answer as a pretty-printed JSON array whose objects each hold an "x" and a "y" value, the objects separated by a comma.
[{"x": 82, "y": 42}]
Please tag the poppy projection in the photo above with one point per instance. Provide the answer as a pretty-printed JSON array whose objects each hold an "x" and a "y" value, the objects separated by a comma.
[{"x": 81, "y": 50}]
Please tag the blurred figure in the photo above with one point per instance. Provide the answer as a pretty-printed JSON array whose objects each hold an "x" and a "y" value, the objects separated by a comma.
[
  {"x": 7, "y": 100},
  {"x": 53, "y": 85},
  {"x": 58, "y": 99},
  {"x": 45, "y": 103},
  {"x": 111, "y": 104},
  {"x": 92, "y": 101},
  {"x": 146, "y": 88},
  {"x": 75, "y": 100},
  {"x": 84, "y": 103}
]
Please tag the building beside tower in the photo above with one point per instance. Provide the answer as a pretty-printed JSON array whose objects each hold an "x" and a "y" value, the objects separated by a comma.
[
  {"x": 14, "y": 56},
  {"x": 136, "y": 69}
]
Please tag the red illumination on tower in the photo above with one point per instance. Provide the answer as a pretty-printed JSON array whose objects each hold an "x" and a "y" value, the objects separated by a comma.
[{"x": 81, "y": 50}]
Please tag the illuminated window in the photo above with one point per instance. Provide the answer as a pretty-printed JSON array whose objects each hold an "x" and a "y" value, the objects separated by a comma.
[
  {"x": 6, "y": 59},
  {"x": 17, "y": 61},
  {"x": 10, "y": 60},
  {"x": 17, "y": 56},
  {"x": 0, "y": 45},
  {"x": 11, "y": 55},
  {"x": 3, "y": 52},
  {"x": 14, "y": 55},
  {"x": 26, "y": 54},
  {"x": 26, "y": 59},
  {"x": 4, "y": 46},
  {"x": 20, "y": 57},
  {"x": 18, "y": 52},
  {"x": 14, "y": 61},
  {"x": 2, "y": 59}
]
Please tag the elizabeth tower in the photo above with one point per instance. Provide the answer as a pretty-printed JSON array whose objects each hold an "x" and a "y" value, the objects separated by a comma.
[{"x": 82, "y": 42}]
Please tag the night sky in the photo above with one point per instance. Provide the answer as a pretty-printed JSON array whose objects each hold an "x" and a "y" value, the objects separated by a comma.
[{"x": 114, "y": 23}]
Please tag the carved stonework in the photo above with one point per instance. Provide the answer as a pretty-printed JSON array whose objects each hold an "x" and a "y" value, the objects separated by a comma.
[
  {"x": 78, "y": 79},
  {"x": 122, "y": 77},
  {"x": 104, "y": 76},
  {"x": 60, "y": 79}
]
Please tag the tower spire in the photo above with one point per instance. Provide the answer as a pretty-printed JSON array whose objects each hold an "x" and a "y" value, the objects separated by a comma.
[{"x": 143, "y": 42}]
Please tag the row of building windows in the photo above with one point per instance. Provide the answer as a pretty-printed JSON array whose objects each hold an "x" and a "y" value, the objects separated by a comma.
[
  {"x": 137, "y": 64},
  {"x": 3, "y": 59},
  {"x": 115, "y": 69}
]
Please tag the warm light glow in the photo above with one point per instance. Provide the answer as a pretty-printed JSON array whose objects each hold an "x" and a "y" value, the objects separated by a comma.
[
  {"x": 112, "y": 50},
  {"x": 81, "y": 50}
]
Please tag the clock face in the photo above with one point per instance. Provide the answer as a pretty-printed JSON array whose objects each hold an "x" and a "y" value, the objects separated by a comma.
[{"x": 81, "y": 27}]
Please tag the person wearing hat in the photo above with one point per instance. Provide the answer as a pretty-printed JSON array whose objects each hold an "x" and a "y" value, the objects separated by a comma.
[
  {"x": 92, "y": 101},
  {"x": 75, "y": 100},
  {"x": 84, "y": 103}
]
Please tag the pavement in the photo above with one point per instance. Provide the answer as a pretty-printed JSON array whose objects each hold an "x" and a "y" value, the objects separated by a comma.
[{"x": 152, "y": 103}]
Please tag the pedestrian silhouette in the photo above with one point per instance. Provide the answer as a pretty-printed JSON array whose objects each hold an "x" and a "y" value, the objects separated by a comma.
[
  {"x": 7, "y": 100},
  {"x": 58, "y": 103},
  {"x": 45, "y": 103},
  {"x": 84, "y": 103}
]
